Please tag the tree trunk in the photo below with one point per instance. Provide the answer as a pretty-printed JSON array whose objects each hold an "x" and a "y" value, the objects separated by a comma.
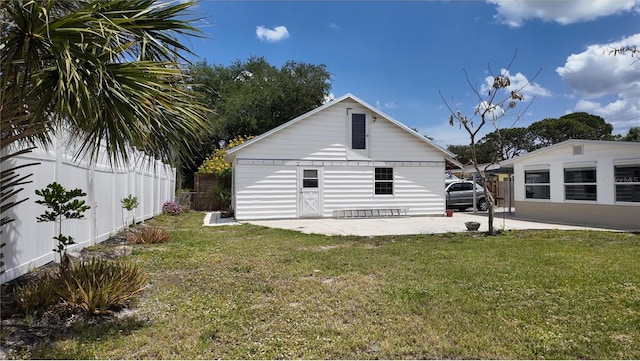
[{"x": 490, "y": 207}]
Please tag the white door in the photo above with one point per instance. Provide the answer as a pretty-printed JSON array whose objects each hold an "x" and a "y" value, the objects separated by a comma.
[{"x": 309, "y": 197}]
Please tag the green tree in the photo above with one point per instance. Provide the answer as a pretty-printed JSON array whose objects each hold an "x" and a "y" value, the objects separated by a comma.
[
  {"x": 484, "y": 153},
  {"x": 580, "y": 125},
  {"x": 507, "y": 143},
  {"x": 633, "y": 135},
  {"x": 248, "y": 98}
]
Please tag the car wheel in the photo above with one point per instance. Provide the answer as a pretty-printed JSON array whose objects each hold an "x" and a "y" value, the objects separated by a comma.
[{"x": 482, "y": 205}]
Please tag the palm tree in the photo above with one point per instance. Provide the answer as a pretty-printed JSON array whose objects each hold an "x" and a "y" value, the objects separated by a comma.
[{"x": 107, "y": 71}]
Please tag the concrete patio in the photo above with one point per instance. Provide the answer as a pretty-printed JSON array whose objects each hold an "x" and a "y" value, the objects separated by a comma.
[{"x": 397, "y": 225}]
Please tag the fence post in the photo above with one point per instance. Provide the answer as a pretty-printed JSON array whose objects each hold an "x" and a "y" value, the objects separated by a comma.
[{"x": 93, "y": 213}]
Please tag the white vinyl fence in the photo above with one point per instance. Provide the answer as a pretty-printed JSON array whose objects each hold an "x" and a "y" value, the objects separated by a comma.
[{"x": 30, "y": 244}]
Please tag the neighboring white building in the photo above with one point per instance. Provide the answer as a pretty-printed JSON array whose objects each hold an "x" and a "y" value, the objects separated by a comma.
[
  {"x": 580, "y": 181},
  {"x": 342, "y": 157}
]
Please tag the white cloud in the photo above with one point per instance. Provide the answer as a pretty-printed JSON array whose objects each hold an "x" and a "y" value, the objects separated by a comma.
[
  {"x": 606, "y": 85},
  {"x": 516, "y": 12},
  {"x": 387, "y": 105},
  {"x": 519, "y": 82},
  {"x": 272, "y": 35},
  {"x": 334, "y": 26},
  {"x": 495, "y": 110}
]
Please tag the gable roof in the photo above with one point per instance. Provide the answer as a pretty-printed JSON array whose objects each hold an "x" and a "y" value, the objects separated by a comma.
[
  {"x": 571, "y": 142},
  {"x": 449, "y": 157}
]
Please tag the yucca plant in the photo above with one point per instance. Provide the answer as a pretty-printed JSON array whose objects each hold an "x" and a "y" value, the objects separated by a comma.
[
  {"x": 34, "y": 298},
  {"x": 98, "y": 286},
  {"x": 149, "y": 235}
]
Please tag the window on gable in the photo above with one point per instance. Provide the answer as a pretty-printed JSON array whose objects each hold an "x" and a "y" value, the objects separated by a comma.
[
  {"x": 627, "y": 183},
  {"x": 383, "y": 181},
  {"x": 580, "y": 184},
  {"x": 358, "y": 131},
  {"x": 537, "y": 184}
]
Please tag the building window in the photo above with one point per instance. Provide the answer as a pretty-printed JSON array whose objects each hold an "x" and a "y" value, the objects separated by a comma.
[
  {"x": 627, "y": 183},
  {"x": 384, "y": 181},
  {"x": 537, "y": 184},
  {"x": 580, "y": 184},
  {"x": 358, "y": 131},
  {"x": 310, "y": 178}
]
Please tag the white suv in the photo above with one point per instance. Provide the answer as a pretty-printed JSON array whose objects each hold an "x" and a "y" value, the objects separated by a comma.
[{"x": 460, "y": 195}]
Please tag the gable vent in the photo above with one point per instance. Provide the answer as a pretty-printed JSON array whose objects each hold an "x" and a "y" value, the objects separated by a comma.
[{"x": 578, "y": 149}]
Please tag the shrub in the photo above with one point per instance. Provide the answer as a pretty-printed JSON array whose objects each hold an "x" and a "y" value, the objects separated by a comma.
[
  {"x": 95, "y": 287},
  {"x": 35, "y": 297},
  {"x": 216, "y": 163},
  {"x": 63, "y": 204},
  {"x": 98, "y": 286},
  {"x": 130, "y": 203},
  {"x": 172, "y": 208},
  {"x": 149, "y": 235}
]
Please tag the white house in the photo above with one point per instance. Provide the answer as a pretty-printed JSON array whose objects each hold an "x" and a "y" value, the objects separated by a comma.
[
  {"x": 342, "y": 159},
  {"x": 580, "y": 181}
]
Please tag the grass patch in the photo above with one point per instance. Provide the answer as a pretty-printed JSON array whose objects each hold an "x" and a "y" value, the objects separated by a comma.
[{"x": 248, "y": 292}]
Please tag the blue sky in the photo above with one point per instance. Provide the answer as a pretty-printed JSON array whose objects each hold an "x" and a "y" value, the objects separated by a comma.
[{"x": 398, "y": 56}]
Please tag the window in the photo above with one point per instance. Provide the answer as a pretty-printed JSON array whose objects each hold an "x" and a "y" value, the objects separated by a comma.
[
  {"x": 384, "y": 181},
  {"x": 462, "y": 186},
  {"x": 627, "y": 183},
  {"x": 580, "y": 184},
  {"x": 537, "y": 184},
  {"x": 358, "y": 131},
  {"x": 310, "y": 178}
]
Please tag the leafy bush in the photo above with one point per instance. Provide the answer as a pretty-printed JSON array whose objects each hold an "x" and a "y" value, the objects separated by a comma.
[
  {"x": 130, "y": 203},
  {"x": 172, "y": 208},
  {"x": 95, "y": 287},
  {"x": 149, "y": 235}
]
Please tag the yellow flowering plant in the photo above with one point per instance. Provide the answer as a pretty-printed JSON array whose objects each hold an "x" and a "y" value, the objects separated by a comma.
[{"x": 216, "y": 163}]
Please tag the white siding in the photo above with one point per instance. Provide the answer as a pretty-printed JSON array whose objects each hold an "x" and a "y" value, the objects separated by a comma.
[
  {"x": 265, "y": 171},
  {"x": 601, "y": 154},
  {"x": 389, "y": 142},
  {"x": 321, "y": 136},
  {"x": 324, "y": 136},
  {"x": 265, "y": 192},
  {"x": 271, "y": 191},
  {"x": 418, "y": 189}
]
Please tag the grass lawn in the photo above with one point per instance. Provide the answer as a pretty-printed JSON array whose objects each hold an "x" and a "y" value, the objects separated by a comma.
[{"x": 248, "y": 292}]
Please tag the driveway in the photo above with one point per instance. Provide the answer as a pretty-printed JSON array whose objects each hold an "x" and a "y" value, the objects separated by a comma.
[{"x": 406, "y": 225}]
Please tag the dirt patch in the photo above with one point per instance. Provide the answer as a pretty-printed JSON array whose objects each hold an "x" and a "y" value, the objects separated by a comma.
[{"x": 19, "y": 335}]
